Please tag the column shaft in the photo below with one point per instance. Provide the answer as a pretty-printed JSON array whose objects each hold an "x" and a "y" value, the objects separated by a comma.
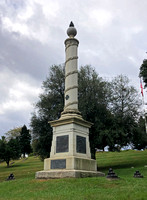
[{"x": 71, "y": 75}]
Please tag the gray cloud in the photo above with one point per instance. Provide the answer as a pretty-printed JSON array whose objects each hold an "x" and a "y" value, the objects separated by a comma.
[{"x": 112, "y": 37}]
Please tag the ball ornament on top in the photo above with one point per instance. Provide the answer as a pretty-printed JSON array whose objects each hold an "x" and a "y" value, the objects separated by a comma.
[{"x": 71, "y": 31}]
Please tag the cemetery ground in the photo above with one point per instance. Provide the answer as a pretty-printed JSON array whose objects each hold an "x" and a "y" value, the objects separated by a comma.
[{"x": 124, "y": 164}]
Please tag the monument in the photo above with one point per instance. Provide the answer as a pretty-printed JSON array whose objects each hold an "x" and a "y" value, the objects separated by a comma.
[{"x": 70, "y": 152}]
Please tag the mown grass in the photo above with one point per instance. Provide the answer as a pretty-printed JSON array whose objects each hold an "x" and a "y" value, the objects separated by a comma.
[{"x": 25, "y": 186}]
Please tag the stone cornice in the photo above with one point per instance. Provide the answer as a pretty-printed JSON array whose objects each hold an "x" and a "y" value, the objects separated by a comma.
[{"x": 68, "y": 119}]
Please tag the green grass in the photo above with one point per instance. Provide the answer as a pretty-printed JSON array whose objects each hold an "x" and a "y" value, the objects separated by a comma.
[{"x": 25, "y": 186}]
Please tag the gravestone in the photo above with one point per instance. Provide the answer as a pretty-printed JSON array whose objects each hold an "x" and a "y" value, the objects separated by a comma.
[
  {"x": 111, "y": 174},
  {"x": 10, "y": 177},
  {"x": 137, "y": 174}
]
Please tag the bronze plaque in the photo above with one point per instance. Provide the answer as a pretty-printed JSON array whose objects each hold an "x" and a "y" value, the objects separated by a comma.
[
  {"x": 58, "y": 164},
  {"x": 62, "y": 144},
  {"x": 81, "y": 144}
]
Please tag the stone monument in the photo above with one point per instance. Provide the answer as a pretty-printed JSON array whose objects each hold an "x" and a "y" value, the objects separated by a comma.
[{"x": 70, "y": 152}]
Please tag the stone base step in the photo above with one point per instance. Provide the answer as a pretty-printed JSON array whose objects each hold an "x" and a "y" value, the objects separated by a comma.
[{"x": 55, "y": 174}]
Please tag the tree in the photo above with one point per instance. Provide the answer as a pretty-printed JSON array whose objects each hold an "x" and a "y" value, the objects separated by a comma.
[
  {"x": 140, "y": 137},
  {"x": 48, "y": 108},
  {"x": 13, "y": 133},
  {"x": 124, "y": 105},
  {"x": 92, "y": 104},
  {"x": 42, "y": 136},
  {"x": 111, "y": 107},
  {"x": 9, "y": 149},
  {"x": 143, "y": 71},
  {"x": 24, "y": 140}
]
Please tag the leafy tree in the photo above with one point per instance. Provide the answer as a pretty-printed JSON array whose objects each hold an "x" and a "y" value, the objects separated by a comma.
[
  {"x": 111, "y": 107},
  {"x": 13, "y": 133},
  {"x": 92, "y": 104},
  {"x": 48, "y": 108},
  {"x": 124, "y": 105},
  {"x": 143, "y": 71},
  {"x": 25, "y": 140},
  {"x": 140, "y": 137},
  {"x": 9, "y": 149}
]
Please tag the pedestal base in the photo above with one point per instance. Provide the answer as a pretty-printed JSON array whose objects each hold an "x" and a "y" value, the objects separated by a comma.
[
  {"x": 54, "y": 174},
  {"x": 70, "y": 163},
  {"x": 70, "y": 153}
]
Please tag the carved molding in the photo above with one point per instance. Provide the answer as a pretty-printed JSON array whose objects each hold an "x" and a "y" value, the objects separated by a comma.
[
  {"x": 69, "y": 104},
  {"x": 70, "y": 88},
  {"x": 70, "y": 73},
  {"x": 72, "y": 58}
]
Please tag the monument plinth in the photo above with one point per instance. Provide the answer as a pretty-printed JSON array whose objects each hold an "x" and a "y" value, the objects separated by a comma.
[{"x": 70, "y": 152}]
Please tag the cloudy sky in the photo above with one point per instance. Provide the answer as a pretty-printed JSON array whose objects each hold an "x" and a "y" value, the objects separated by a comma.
[{"x": 112, "y": 36}]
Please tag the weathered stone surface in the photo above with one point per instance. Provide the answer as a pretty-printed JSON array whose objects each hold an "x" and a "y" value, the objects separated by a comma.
[
  {"x": 67, "y": 174},
  {"x": 73, "y": 163},
  {"x": 72, "y": 129}
]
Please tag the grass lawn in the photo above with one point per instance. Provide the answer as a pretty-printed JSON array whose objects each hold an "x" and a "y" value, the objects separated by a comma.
[{"x": 125, "y": 163}]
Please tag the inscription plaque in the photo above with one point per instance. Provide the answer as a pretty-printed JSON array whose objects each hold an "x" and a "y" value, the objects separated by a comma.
[
  {"x": 58, "y": 164},
  {"x": 62, "y": 144},
  {"x": 81, "y": 144}
]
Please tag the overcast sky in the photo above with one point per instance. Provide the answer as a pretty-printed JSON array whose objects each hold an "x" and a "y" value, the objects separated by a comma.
[{"x": 112, "y": 36}]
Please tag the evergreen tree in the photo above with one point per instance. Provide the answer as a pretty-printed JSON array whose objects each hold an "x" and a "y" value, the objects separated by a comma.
[{"x": 25, "y": 140}]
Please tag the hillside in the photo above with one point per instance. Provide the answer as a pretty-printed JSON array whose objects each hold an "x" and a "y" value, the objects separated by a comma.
[{"x": 125, "y": 163}]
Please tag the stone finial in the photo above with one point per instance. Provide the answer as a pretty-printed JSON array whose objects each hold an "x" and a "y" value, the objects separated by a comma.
[
  {"x": 71, "y": 24},
  {"x": 71, "y": 31}
]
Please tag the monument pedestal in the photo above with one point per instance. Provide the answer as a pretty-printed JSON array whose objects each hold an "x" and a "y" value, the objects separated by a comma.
[{"x": 70, "y": 152}]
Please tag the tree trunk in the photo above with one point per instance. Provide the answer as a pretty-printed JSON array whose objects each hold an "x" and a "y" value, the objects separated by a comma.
[
  {"x": 93, "y": 151},
  {"x": 7, "y": 163}
]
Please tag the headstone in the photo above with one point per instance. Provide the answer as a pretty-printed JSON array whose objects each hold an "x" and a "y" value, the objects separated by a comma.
[
  {"x": 137, "y": 174},
  {"x": 111, "y": 174},
  {"x": 10, "y": 177}
]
